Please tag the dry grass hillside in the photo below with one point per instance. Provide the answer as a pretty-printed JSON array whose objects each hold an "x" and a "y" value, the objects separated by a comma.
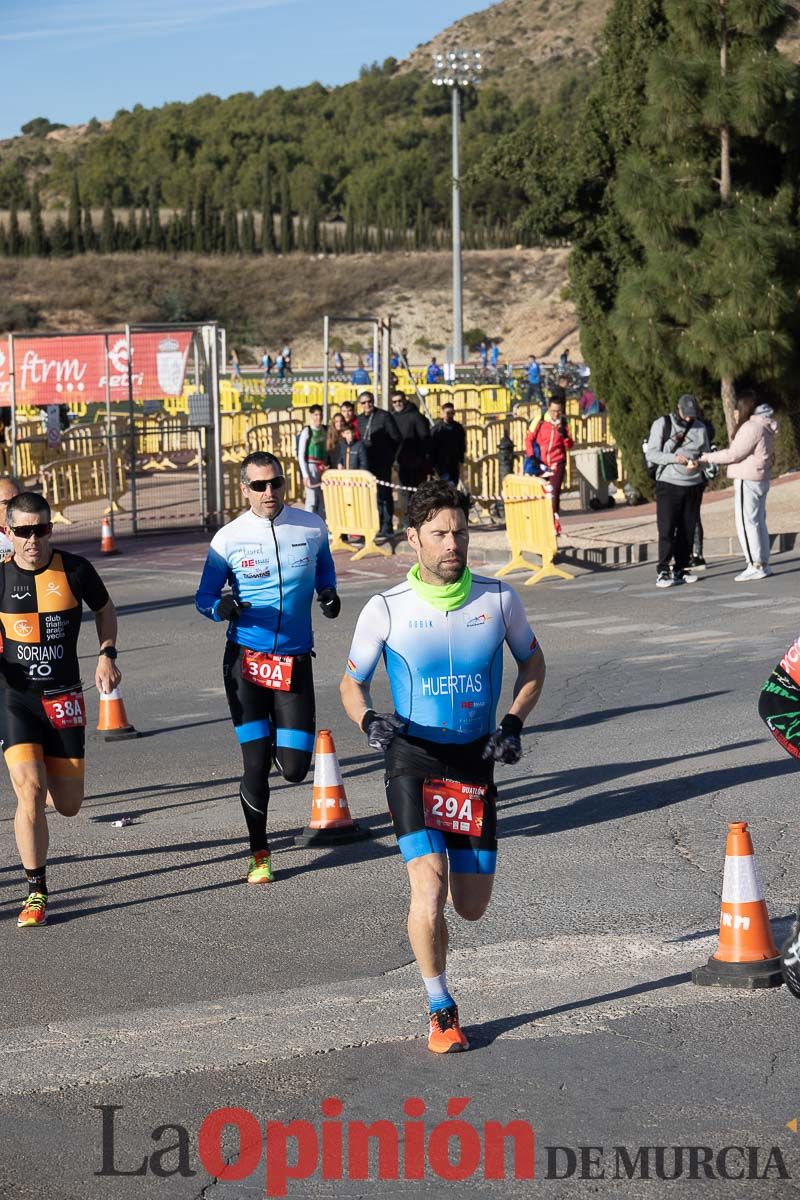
[
  {"x": 512, "y": 295},
  {"x": 534, "y": 45}
]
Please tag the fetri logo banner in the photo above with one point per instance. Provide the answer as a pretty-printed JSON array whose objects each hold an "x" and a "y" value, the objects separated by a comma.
[{"x": 63, "y": 370}]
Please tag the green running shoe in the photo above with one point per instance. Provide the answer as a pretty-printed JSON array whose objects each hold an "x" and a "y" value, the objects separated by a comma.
[{"x": 259, "y": 869}]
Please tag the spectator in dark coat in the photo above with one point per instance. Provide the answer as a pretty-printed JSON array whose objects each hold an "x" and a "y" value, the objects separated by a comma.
[
  {"x": 448, "y": 445},
  {"x": 381, "y": 438},
  {"x": 415, "y": 448}
]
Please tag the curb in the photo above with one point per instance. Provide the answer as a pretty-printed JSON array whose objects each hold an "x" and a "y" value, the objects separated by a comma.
[{"x": 630, "y": 553}]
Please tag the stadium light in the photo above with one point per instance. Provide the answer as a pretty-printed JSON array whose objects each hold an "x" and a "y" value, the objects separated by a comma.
[{"x": 457, "y": 69}]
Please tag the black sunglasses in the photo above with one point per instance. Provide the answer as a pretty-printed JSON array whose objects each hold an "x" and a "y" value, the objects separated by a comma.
[
  {"x": 28, "y": 531},
  {"x": 261, "y": 485}
]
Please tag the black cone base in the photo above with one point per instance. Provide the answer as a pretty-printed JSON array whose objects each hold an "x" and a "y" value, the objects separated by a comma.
[
  {"x": 339, "y": 835},
  {"x": 764, "y": 974},
  {"x": 119, "y": 735}
]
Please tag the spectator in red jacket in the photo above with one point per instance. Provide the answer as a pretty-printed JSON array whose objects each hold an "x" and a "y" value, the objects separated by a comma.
[{"x": 551, "y": 437}]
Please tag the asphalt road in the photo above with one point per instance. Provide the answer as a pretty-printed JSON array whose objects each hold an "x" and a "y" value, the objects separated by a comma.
[{"x": 162, "y": 984}]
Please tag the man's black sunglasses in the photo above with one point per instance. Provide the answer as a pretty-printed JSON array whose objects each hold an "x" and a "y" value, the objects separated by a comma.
[
  {"x": 261, "y": 485},
  {"x": 28, "y": 531}
]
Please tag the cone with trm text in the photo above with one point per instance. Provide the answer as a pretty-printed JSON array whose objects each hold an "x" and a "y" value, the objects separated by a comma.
[
  {"x": 107, "y": 543},
  {"x": 112, "y": 720},
  {"x": 331, "y": 823},
  {"x": 746, "y": 956}
]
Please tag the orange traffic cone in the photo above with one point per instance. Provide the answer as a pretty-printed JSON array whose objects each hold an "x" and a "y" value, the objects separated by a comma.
[
  {"x": 747, "y": 956},
  {"x": 331, "y": 823},
  {"x": 113, "y": 720},
  {"x": 107, "y": 543}
]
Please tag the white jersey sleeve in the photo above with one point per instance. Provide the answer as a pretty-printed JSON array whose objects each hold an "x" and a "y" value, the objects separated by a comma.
[
  {"x": 520, "y": 638},
  {"x": 369, "y": 639}
]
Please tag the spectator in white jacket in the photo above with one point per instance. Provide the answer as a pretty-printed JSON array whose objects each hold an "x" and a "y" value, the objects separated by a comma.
[{"x": 749, "y": 463}]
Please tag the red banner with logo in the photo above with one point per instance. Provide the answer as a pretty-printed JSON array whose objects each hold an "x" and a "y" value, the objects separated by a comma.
[{"x": 72, "y": 368}]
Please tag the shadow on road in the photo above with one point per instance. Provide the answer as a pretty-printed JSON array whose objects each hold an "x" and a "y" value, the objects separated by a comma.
[
  {"x": 484, "y": 1035},
  {"x": 609, "y": 714}
]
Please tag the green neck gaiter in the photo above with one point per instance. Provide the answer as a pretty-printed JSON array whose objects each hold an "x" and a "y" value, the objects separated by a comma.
[{"x": 445, "y": 596}]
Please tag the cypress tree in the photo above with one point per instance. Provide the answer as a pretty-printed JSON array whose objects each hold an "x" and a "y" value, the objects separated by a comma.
[
  {"x": 60, "y": 238},
  {"x": 132, "y": 238},
  {"x": 3, "y": 240},
  {"x": 708, "y": 195},
  {"x": 231, "y": 226},
  {"x": 155, "y": 237},
  {"x": 188, "y": 226},
  {"x": 267, "y": 224},
  {"x": 107, "y": 233},
  {"x": 75, "y": 228},
  {"x": 15, "y": 243},
  {"x": 287, "y": 223},
  {"x": 201, "y": 221},
  {"x": 89, "y": 235},
  {"x": 248, "y": 235},
  {"x": 143, "y": 233},
  {"x": 37, "y": 239},
  {"x": 350, "y": 230}
]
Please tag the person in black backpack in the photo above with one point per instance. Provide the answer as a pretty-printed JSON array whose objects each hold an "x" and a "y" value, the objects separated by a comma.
[{"x": 672, "y": 452}]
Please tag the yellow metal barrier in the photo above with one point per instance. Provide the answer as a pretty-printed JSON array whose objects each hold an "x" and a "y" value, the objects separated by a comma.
[
  {"x": 530, "y": 528},
  {"x": 494, "y": 400},
  {"x": 80, "y": 480},
  {"x": 351, "y": 508},
  {"x": 475, "y": 435}
]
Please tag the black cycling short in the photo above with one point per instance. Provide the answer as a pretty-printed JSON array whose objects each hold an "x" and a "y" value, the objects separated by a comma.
[
  {"x": 28, "y": 736},
  {"x": 409, "y": 762},
  {"x": 287, "y": 719}
]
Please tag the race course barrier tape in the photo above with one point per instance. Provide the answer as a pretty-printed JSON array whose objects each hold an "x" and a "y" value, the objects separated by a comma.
[{"x": 530, "y": 529}]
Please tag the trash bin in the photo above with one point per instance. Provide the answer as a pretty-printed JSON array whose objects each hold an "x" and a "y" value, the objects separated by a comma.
[{"x": 595, "y": 471}]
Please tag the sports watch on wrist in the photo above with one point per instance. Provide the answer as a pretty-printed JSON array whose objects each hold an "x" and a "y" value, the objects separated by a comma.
[{"x": 109, "y": 652}]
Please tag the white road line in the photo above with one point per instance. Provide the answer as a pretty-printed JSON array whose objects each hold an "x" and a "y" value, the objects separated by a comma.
[
  {"x": 748, "y": 603},
  {"x": 492, "y": 982}
]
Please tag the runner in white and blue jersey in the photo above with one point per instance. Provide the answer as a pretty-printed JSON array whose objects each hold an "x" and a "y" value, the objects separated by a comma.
[
  {"x": 441, "y": 635},
  {"x": 273, "y": 558}
]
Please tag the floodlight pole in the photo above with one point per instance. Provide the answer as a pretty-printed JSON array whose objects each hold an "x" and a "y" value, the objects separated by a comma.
[
  {"x": 457, "y": 69},
  {"x": 458, "y": 275}
]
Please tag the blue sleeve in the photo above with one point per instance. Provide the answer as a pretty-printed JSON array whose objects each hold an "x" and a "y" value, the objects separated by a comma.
[
  {"x": 212, "y": 581},
  {"x": 326, "y": 571}
]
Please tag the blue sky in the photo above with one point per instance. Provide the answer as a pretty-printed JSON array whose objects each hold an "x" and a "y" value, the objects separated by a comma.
[{"x": 70, "y": 60}]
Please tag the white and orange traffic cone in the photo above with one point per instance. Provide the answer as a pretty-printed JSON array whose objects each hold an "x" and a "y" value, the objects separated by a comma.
[
  {"x": 746, "y": 956},
  {"x": 112, "y": 719},
  {"x": 331, "y": 823},
  {"x": 107, "y": 543}
]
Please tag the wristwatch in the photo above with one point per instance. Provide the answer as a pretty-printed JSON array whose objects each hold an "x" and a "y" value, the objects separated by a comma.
[{"x": 109, "y": 651}]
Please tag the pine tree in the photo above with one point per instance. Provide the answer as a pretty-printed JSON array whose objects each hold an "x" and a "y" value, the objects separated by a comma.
[
  {"x": 287, "y": 223},
  {"x": 38, "y": 244},
  {"x": 89, "y": 235},
  {"x": 107, "y": 238},
  {"x": 713, "y": 298},
  {"x": 15, "y": 242}
]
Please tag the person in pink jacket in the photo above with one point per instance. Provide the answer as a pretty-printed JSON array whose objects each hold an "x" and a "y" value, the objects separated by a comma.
[{"x": 749, "y": 463}]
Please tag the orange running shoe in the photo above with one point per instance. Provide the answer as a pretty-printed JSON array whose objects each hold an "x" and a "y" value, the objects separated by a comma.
[
  {"x": 34, "y": 911},
  {"x": 445, "y": 1034},
  {"x": 259, "y": 869}
]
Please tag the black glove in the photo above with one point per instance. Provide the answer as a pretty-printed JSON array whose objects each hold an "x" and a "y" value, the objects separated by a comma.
[
  {"x": 504, "y": 745},
  {"x": 229, "y": 607},
  {"x": 381, "y": 728},
  {"x": 329, "y": 602}
]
